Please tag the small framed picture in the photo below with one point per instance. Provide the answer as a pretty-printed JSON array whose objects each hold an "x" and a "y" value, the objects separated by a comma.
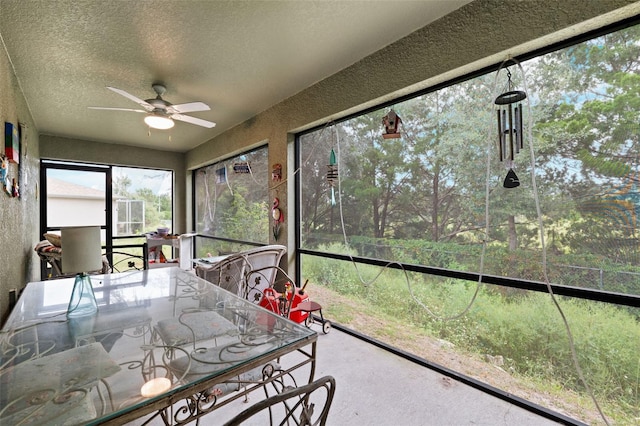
[{"x": 12, "y": 142}]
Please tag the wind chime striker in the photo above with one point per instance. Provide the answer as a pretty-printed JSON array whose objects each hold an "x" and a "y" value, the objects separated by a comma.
[
  {"x": 332, "y": 175},
  {"x": 391, "y": 122},
  {"x": 510, "y": 133}
]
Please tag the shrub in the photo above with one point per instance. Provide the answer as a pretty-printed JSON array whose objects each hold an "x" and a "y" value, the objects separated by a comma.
[{"x": 335, "y": 274}]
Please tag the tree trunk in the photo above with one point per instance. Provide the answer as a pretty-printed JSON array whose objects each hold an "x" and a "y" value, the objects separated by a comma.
[
  {"x": 513, "y": 236},
  {"x": 435, "y": 233}
]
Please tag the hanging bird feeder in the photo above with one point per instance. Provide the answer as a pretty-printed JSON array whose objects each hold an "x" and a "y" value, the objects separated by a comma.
[
  {"x": 510, "y": 133},
  {"x": 391, "y": 122},
  {"x": 332, "y": 175}
]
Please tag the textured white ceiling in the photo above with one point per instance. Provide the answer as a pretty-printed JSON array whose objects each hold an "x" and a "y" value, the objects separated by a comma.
[{"x": 239, "y": 57}]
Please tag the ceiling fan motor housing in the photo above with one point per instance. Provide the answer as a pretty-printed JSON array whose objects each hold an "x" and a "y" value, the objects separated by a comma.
[{"x": 158, "y": 104}]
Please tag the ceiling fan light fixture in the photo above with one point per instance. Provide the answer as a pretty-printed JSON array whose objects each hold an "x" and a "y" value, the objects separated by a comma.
[{"x": 158, "y": 122}]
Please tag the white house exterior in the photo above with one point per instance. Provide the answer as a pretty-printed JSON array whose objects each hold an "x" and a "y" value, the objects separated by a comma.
[{"x": 70, "y": 204}]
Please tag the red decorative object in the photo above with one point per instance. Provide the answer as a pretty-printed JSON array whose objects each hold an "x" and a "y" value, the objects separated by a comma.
[
  {"x": 276, "y": 173},
  {"x": 278, "y": 218}
]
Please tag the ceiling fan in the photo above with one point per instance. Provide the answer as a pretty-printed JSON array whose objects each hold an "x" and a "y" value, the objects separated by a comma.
[{"x": 160, "y": 113}]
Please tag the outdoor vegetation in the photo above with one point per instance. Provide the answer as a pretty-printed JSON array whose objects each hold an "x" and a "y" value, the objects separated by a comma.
[
  {"x": 153, "y": 209},
  {"x": 143, "y": 206},
  {"x": 232, "y": 199},
  {"x": 498, "y": 331}
]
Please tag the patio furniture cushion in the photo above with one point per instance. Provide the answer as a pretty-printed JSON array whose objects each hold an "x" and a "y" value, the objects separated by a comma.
[
  {"x": 194, "y": 326},
  {"x": 53, "y": 239},
  {"x": 55, "y": 387},
  {"x": 220, "y": 358},
  {"x": 45, "y": 246}
]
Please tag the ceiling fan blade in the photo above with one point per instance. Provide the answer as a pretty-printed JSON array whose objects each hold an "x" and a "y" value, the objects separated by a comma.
[
  {"x": 143, "y": 104},
  {"x": 119, "y": 109},
  {"x": 188, "y": 107},
  {"x": 193, "y": 120}
]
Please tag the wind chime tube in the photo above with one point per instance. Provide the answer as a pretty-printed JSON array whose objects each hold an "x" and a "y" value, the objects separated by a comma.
[
  {"x": 520, "y": 132},
  {"x": 504, "y": 133},
  {"x": 511, "y": 133},
  {"x": 516, "y": 128},
  {"x": 500, "y": 136}
]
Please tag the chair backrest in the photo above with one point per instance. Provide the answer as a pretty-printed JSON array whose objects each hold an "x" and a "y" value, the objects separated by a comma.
[
  {"x": 118, "y": 261},
  {"x": 235, "y": 272},
  {"x": 306, "y": 405},
  {"x": 228, "y": 274},
  {"x": 260, "y": 259}
]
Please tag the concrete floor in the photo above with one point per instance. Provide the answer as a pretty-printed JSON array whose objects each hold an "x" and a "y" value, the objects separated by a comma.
[{"x": 376, "y": 387}]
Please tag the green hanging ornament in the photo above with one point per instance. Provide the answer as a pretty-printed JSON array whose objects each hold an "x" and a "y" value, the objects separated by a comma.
[{"x": 332, "y": 175}]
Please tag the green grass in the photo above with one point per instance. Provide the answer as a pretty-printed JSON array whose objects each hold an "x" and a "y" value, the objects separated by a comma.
[{"x": 525, "y": 329}]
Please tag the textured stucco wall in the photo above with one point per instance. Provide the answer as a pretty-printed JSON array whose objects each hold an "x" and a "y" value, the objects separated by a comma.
[
  {"x": 479, "y": 34},
  {"x": 18, "y": 216},
  {"x": 59, "y": 148}
]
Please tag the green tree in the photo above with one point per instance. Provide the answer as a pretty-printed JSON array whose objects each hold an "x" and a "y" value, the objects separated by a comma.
[
  {"x": 153, "y": 214},
  {"x": 375, "y": 171},
  {"x": 121, "y": 186},
  {"x": 595, "y": 142}
]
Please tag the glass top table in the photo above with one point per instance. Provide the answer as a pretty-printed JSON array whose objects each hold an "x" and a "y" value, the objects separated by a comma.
[{"x": 163, "y": 341}]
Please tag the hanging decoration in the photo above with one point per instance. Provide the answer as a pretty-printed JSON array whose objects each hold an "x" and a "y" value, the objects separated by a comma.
[
  {"x": 276, "y": 173},
  {"x": 221, "y": 175},
  {"x": 332, "y": 175},
  {"x": 510, "y": 132},
  {"x": 391, "y": 123},
  {"x": 12, "y": 142},
  {"x": 6, "y": 184},
  {"x": 278, "y": 218},
  {"x": 4, "y": 169},
  {"x": 15, "y": 188},
  {"x": 242, "y": 167}
]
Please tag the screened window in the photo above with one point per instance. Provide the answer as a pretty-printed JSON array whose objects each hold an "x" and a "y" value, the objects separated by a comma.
[
  {"x": 126, "y": 202},
  {"x": 232, "y": 198},
  {"x": 143, "y": 198},
  {"x": 421, "y": 198},
  {"x": 406, "y": 219}
]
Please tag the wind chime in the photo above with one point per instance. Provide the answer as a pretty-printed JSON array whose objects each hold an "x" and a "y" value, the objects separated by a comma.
[
  {"x": 510, "y": 134},
  {"x": 332, "y": 175}
]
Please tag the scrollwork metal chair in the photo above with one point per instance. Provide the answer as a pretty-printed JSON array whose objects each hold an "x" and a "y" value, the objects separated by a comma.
[
  {"x": 265, "y": 262},
  {"x": 234, "y": 273},
  {"x": 119, "y": 261},
  {"x": 228, "y": 273},
  {"x": 307, "y": 405}
]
